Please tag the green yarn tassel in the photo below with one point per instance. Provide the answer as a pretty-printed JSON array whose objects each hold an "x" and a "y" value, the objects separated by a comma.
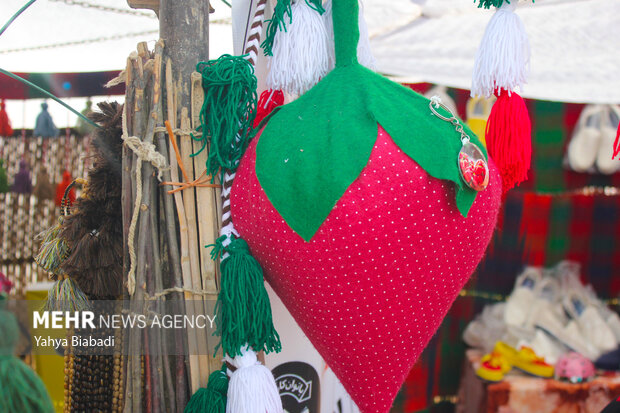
[
  {"x": 21, "y": 390},
  {"x": 65, "y": 295},
  {"x": 243, "y": 310},
  {"x": 487, "y": 4},
  {"x": 4, "y": 179},
  {"x": 277, "y": 21},
  {"x": 213, "y": 398},
  {"x": 54, "y": 250},
  {"x": 228, "y": 111}
]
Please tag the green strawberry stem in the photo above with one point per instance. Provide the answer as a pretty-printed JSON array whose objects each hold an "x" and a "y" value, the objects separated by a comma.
[{"x": 346, "y": 31}]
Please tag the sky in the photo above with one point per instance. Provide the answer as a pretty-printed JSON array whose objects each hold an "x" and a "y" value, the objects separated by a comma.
[{"x": 52, "y": 22}]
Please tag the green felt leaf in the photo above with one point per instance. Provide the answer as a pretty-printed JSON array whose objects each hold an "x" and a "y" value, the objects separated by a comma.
[{"x": 312, "y": 149}]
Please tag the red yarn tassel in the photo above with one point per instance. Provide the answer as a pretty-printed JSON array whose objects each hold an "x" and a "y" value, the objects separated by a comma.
[
  {"x": 508, "y": 137},
  {"x": 617, "y": 144},
  {"x": 269, "y": 100},
  {"x": 5, "y": 122},
  {"x": 62, "y": 187}
]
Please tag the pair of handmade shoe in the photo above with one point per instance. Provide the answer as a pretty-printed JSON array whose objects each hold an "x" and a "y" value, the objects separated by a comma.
[
  {"x": 495, "y": 365},
  {"x": 544, "y": 301},
  {"x": 593, "y": 140}
]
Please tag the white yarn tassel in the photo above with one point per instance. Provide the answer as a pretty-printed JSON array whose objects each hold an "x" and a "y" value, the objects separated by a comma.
[
  {"x": 503, "y": 58},
  {"x": 364, "y": 53},
  {"x": 300, "y": 54},
  {"x": 252, "y": 388}
]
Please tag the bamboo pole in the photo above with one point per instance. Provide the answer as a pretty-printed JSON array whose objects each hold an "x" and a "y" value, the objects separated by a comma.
[
  {"x": 207, "y": 201},
  {"x": 194, "y": 365},
  {"x": 189, "y": 202},
  {"x": 174, "y": 265}
]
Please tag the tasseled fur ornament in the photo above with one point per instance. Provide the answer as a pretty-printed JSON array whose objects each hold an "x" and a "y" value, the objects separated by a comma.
[
  {"x": 94, "y": 228},
  {"x": 5, "y": 122},
  {"x": 21, "y": 390},
  {"x": 65, "y": 295},
  {"x": 22, "y": 183},
  {"x": 62, "y": 187},
  {"x": 4, "y": 179},
  {"x": 54, "y": 249},
  {"x": 44, "y": 188},
  {"x": 44, "y": 125},
  {"x": 213, "y": 398},
  {"x": 300, "y": 54},
  {"x": 252, "y": 387},
  {"x": 501, "y": 67}
]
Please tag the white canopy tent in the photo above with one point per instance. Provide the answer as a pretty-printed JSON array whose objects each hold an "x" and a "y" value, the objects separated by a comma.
[
  {"x": 574, "y": 43},
  {"x": 574, "y": 46}
]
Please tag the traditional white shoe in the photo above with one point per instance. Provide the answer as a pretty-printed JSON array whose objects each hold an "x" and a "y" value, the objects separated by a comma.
[
  {"x": 585, "y": 143},
  {"x": 487, "y": 328},
  {"x": 545, "y": 346},
  {"x": 589, "y": 320},
  {"x": 609, "y": 126},
  {"x": 568, "y": 334},
  {"x": 546, "y": 298},
  {"x": 519, "y": 303}
]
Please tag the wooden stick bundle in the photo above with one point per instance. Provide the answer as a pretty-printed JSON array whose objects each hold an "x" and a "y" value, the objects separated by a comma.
[{"x": 181, "y": 224}]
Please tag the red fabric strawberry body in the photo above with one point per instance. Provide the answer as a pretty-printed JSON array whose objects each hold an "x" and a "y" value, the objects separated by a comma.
[{"x": 373, "y": 284}]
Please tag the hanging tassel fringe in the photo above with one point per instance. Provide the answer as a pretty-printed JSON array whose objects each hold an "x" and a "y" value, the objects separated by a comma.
[
  {"x": 21, "y": 390},
  {"x": 227, "y": 114},
  {"x": 243, "y": 310},
  {"x": 65, "y": 295},
  {"x": 4, "y": 179},
  {"x": 22, "y": 183},
  {"x": 5, "y": 122},
  {"x": 300, "y": 55},
  {"x": 61, "y": 188},
  {"x": 44, "y": 188},
  {"x": 268, "y": 101},
  {"x": 83, "y": 127},
  {"x": 252, "y": 387},
  {"x": 44, "y": 125},
  {"x": 213, "y": 398},
  {"x": 502, "y": 60},
  {"x": 508, "y": 138},
  {"x": 364, "y": 54},
  {"x": 53, "y": 251}
]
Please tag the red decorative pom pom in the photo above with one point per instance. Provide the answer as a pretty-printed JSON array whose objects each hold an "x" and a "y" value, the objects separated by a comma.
[
  {"x": 508, "y": 137},
  {"x": 5, "y": 122}
]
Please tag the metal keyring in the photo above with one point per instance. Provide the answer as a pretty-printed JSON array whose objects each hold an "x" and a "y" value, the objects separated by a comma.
[{"x": 438, "y": 103}]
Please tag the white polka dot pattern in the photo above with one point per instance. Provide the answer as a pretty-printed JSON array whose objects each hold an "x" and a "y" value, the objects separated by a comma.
[{"x": 376, "y": 280}]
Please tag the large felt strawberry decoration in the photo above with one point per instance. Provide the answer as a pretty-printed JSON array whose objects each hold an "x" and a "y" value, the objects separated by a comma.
[{"x": 352, "y": 201}]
